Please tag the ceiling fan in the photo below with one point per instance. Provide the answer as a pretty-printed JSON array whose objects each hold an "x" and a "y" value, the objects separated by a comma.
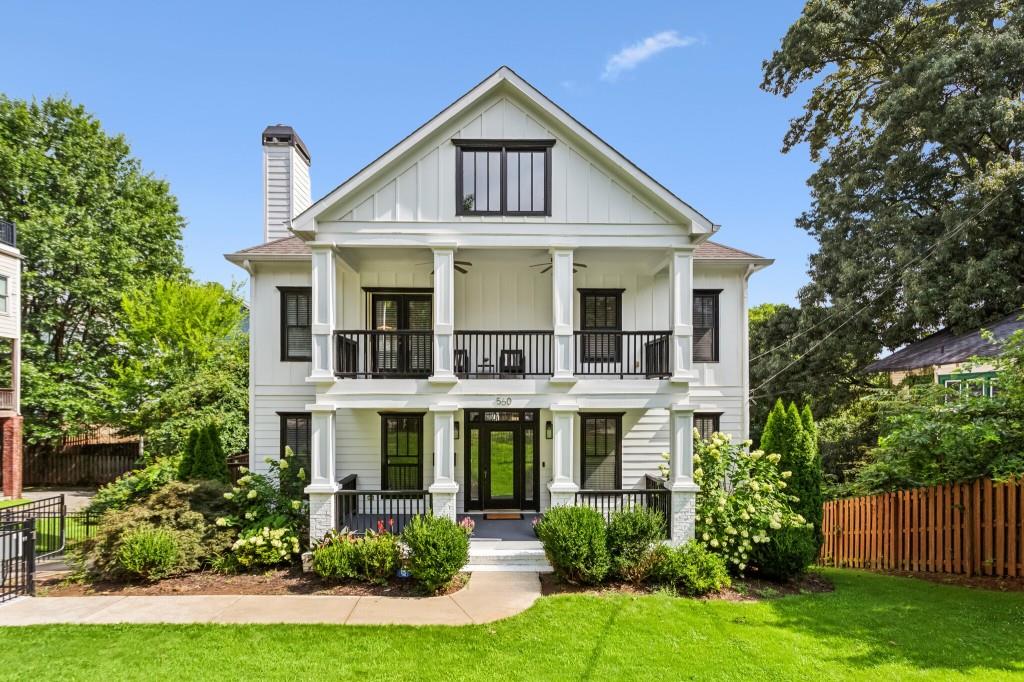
[
  {"x": 461, "y": 266},
  {"x": 547, "y": 266}
]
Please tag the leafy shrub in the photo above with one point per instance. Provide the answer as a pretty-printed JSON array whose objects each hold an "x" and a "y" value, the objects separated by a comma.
[
  {"x": 373, "y": 558},
  {"x": 272, "y": 501},
  {"x": 633, "y": 535},
  {"x": 265, "y": 547},
  {"x": 731, "y": 519},
  {"x": 133, "y": 485},
  {"x": 788, "y": 554},
  {"x": 575, "y": 542},
  {"x": 691, "y": 568},
  {"x": 438, "y": 549},
  {"x": 151, "y": 553},
  {"x": 187, "y": 509}
]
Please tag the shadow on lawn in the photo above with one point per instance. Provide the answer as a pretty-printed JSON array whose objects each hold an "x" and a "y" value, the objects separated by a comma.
[{"x": 919, "y": 624}]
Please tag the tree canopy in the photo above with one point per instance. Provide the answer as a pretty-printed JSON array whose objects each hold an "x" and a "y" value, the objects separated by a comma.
[{"x": 91, "y": 225}]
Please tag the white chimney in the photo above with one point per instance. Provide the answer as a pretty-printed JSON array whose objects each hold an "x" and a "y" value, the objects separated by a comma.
[{"x": 286, "y": 190}]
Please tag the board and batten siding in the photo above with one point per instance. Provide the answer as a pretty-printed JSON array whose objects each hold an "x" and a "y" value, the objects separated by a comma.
[
  {"x": 421, "y": 185},
  {"x": 10, "y": 322}
]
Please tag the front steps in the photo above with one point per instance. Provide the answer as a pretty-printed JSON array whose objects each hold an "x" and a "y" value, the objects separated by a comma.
[{"x": 510, "y": 556}]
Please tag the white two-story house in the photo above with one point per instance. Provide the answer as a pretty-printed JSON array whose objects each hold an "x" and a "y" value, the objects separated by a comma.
[
  {"x": 10, "y": 362},
  {"x": 498, "y": 315}
]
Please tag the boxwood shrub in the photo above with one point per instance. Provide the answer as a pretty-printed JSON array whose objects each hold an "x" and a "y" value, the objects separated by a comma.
[
  {"x": 575, "y": 543},
  {"x": 691, "y": 568},
  {"x": 438, "y": 549},
  {"x": 633, "y": 535}
]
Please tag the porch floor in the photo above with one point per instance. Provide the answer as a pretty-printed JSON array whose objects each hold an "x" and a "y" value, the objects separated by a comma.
[{"x": 503, "y": 529}]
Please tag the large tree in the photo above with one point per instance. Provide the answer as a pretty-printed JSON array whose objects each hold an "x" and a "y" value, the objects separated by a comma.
[
  {"x": 91, "y": 225},
  {"x": 916, "y": 120}
]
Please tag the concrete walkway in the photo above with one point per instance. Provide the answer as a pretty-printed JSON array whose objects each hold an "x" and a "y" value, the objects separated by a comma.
[{"x": 488, "y": 597}]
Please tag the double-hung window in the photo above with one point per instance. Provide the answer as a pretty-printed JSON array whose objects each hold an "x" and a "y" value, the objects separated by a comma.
[
  {"x": 601, "y": 318},
  {"x": 503, "y": 177},
  {"x": 706, "y": 424},
  {"x": 601, "y": 448},
  {"x": 401, "y": 450},
  {"x": 297, "y": 434},
  {"x": 3, "y": 294},
  {"x": 296, "y": 323},
  {"x": 705, "y": 325}
]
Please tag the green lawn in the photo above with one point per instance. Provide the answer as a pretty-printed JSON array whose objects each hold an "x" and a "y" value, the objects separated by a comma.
[
  {"x": 10, "y": 503},
  {"x": 872, "y": 627}
]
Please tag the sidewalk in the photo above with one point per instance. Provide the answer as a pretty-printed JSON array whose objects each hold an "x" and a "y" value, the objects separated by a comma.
[{"x": 488, "y": 597}]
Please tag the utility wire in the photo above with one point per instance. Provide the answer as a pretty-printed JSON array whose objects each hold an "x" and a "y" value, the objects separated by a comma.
[{"x": 892, "y": 277}]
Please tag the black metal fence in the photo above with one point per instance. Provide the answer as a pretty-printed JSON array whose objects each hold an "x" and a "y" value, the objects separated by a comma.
[
  {"x": 383, "y": 354},
  {"x": 390, "y": 510},
  {"x": 50, "y": 517},
  {"x": 622, "y": 354},
  {"x": 503, "y": 354},
  {"x": 17, "y": 559},
  {"x": 607, "y": 502}
]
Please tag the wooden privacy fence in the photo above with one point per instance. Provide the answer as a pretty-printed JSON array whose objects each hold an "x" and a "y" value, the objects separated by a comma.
[
  {"x": 89, "y": 465},
  {"x": 967, "y": 528}
]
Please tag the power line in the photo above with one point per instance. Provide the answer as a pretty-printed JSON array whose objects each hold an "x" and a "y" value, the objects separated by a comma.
[{"x": 925, "y": 255}]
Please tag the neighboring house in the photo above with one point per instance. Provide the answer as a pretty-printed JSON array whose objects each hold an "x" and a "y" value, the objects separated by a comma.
[
  {"x": 501, "y": 312},
  {"x": 944, "y": 357},
  {"x": 10, "y": 361}
]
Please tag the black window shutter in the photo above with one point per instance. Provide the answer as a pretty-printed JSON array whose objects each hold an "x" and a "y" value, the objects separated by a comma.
[
  {"x": 602, "y": 454},
  {"x": 296, "y": 323},
  {"x": 705, "y": 326}
]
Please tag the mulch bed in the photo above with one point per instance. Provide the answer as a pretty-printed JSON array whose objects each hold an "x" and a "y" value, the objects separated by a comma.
[
  {"x": 743, "y": 589},
  {"x": 277, "y": 581}
]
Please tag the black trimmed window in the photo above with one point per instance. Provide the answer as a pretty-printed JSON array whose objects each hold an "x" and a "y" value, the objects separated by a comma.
[
  {"x": 296, "y": 323},
  {"x": 503, "y": 177},
  {"x": 705, "y": 325},
  {"x": 401, "y": 451},
  {"x": 3, "y": 294},
  {"x": 707, "y": 424},
  {"x": 601, "y": 451},
  {"x": 297, "y": 434},
  {"x": 601, "y": 311}
]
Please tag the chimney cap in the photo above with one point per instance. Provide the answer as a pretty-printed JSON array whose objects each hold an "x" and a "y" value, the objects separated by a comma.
[{"x": 286, "y": 135}]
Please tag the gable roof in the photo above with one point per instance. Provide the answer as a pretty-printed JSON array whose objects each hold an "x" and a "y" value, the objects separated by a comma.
[
  {"x": 944, "y": 347},
  {"x": 294, "y": 248},
  {"x": 507, "y": 78}
]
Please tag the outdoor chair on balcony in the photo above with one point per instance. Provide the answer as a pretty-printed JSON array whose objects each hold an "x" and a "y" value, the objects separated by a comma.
[
  {"x": 512, "y": 362},
  {"x": 461, "y": 362}
]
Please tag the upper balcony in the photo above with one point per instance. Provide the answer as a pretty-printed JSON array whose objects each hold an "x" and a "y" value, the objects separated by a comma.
[
  {"x": 8, "y": 233},
  {"x": 499, "y": 314}
]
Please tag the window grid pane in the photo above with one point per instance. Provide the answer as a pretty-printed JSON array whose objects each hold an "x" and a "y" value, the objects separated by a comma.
[
  {"x": 600, "y": 449},
  {"x": 520, "y": 186},
  {"x": 403, "y": 452},
  {"x": 705, "y": 327},
  {"x": 706, "y": 424},
  {"x": 297, "y": 321}
]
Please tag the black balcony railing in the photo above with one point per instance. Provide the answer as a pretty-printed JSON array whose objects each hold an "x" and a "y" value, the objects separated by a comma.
[
  {"x": 8, "y": 233},
  {"x": 383, "y": 354},
  {"x": 390, "y": 510},
  {"x": 622, "y": 354},
  {"x": 503, "y": 354}
]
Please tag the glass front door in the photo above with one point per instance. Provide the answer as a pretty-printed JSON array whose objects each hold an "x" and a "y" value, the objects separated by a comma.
[{"x": 501, "y": 459}]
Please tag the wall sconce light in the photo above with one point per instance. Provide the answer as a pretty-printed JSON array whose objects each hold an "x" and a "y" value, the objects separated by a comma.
[
  {"x": 456, "y": 430},
  {"x": 548, "y": 431}
]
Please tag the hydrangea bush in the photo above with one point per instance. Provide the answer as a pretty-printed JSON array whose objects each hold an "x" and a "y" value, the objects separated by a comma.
[
  {"x": 742, "y": 499},
  {"x": 268, "y": 509}
]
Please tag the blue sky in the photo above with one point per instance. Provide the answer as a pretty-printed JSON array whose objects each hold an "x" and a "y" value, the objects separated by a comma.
[{"x": 672, "y": 85}]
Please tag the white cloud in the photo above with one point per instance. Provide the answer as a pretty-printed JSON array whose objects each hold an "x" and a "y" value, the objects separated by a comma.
[{"x": 629, "y": 58}]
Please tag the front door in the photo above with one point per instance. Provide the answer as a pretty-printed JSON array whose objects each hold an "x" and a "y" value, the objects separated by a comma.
[{"x": 501, "y": 459}]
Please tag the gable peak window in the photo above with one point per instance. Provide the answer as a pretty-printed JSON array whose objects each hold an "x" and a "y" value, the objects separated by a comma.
[
  {"x": 296, "y": 323},
  {"x": 503, "y": 177},
  {"x": 705, "y": 325}
]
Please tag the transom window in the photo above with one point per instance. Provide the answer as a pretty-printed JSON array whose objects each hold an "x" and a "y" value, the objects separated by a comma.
[
  {"x": 706, "y": 424},
  {"x": 705, "y": 325},
  {"x": 401, "y": 451},
  {"x": 296, "y": 323},
  {"x": 601, "y": 447},
  {"x": 503, "y": 177}
]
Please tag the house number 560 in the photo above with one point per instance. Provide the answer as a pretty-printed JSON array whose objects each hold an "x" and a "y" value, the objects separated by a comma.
[{"x": 503, "y": 401}]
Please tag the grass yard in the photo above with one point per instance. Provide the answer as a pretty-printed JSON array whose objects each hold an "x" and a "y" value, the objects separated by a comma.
[
  {"x": 11, "y": 503},
  {"x": 871, "y": 627}
]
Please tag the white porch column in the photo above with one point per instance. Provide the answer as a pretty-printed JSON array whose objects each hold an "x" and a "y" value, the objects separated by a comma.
[
  {"x": 444, "y": 490},
  {"x": 444, "y": 316},
  {"x": 324, "y": 304},
  {"x": 680, "y": 282},
  {"x": 561, "y": 300},
  {"x": 563, "y": 487},
  {"x": 322, "y": 485},
  {"x": 680, "y": 479}
]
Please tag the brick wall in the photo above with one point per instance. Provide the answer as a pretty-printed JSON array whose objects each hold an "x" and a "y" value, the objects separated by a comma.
[{"x": 10, "y": 431}]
